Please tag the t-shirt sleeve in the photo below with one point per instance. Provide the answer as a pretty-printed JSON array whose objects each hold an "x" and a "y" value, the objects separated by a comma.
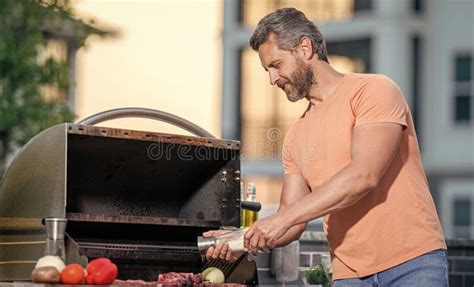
[
  {"x": 380, "y": 100},
  {"x": 290, "y": 155}
]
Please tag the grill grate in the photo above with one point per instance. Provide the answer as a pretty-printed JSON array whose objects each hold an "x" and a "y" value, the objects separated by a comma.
[
  {"x": 139, "y": 247},
  {"x": 225, "y": 266}
]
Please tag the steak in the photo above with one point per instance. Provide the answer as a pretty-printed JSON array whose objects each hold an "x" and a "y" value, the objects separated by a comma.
[{"x": 180, "y": 279}]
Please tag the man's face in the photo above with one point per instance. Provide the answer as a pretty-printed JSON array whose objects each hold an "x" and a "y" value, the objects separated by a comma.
[{"x": 286, "y": 70}]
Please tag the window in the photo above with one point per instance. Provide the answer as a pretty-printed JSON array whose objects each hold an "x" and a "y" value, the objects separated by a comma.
[
  {"x": 417, "y": 6},
  {"x": 266, "y": 113},
  {"x": 463, "y": 88},
  {"x": 347, "y": 64},
  {"x": 456, "y": 207},
  {"x": 462, "y": 218},
  {"x": 416, "y": 46},
  {"x": 316, "y": 10},
  {"x": 358, "y": 52}
]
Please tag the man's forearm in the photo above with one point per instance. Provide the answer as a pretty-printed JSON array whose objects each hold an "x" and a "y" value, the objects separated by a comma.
[
  {"x": 344, "y": 189},
  {"x": 291, "y": 235}
]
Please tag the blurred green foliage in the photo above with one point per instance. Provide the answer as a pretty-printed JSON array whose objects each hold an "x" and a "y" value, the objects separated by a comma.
[
  {"x": 317, "y": 275},
  {"x": 25, "y": 26}
]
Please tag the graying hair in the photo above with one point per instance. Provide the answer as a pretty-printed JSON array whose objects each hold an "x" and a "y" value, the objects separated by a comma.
[{"x": 289, "y": 26}]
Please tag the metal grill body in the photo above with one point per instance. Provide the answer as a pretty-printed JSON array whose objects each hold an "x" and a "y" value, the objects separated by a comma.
[{"x": 138, "y": 198}]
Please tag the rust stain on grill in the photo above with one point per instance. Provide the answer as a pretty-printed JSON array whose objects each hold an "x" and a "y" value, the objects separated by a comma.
[{"x": 149, "y": 136}]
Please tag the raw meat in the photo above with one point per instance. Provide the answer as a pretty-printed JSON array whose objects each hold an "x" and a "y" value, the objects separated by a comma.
[
  {"x": 167, "y": 280},
  {"x": 175, "y": 278}
]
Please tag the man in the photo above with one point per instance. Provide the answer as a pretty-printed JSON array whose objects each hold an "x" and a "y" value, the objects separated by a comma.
[{"x": 353, "y": 158}]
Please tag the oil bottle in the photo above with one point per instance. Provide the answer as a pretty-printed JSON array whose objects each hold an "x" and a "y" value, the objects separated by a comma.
[
  {"x": 250, "y": 216},
  {"x": 242, "y": 211}
]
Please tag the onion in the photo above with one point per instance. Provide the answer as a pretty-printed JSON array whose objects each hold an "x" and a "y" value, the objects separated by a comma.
[
  {"x": 213, "y": 275},
  {"x": 50, "y": 260}
]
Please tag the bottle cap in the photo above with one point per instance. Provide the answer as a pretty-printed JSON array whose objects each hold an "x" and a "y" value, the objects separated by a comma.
[
  {"x": 252, "y": 190},
  {"x": 55, "y": 227}
]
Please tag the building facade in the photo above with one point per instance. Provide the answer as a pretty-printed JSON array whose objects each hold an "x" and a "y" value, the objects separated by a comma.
[{"x": 427, "y": 47}]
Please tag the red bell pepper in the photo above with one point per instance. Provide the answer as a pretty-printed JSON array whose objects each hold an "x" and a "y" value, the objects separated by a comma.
[{"x": 101, "y": 271}]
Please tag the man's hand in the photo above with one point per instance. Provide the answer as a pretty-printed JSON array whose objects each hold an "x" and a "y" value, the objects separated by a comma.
[
  {"x": 222, "y": 250},
  {"x": 265, "y": 232},
  {"x": 275, "y": 231}
]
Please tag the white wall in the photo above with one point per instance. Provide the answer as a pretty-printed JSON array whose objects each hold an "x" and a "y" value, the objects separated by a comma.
[
  {"x": 167, "y": 57},
  {"x": 446, "y": 146}
]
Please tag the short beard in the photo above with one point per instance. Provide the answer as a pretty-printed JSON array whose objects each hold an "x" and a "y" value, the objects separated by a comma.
[{"x": 300, "y": 81}]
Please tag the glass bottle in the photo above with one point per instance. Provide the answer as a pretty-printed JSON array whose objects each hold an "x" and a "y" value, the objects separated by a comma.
[
  {"x": 242, "y": 211},
  {"x": 250, "y": 216}
]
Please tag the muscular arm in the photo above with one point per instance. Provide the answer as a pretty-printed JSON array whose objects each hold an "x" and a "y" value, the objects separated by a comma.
[
  {"x": 294, "y": 188},
  {"x": 372, "y": 150}
]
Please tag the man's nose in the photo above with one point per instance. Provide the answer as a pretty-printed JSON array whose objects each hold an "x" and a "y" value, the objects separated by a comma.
[{"x": 273, "y": 77}]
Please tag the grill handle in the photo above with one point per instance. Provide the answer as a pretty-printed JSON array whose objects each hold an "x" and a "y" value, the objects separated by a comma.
[
  {"x": 251, "y": 205},
  {"x": 148, "y": 114}
]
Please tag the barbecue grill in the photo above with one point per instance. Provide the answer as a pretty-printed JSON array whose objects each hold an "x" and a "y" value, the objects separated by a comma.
[{"x": 139, "y": 198}]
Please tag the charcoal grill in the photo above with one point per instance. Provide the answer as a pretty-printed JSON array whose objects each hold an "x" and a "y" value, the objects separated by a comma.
[{"x": 139, "y": 198}]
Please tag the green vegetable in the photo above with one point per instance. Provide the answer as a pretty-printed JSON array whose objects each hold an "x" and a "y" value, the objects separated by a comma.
[{"x": 317, "y": 275}]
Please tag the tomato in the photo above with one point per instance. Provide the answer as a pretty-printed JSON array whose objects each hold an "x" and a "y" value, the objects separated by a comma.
[
  {"x": 106, "y": 274},
  {"x": 73, "y": 274}
]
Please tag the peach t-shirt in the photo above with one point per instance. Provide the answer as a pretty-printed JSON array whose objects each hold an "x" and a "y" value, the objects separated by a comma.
[{"x": 395, "y": 222}]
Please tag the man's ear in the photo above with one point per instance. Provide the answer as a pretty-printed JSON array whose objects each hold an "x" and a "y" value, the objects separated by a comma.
[{"x": 306, "y": 48}]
